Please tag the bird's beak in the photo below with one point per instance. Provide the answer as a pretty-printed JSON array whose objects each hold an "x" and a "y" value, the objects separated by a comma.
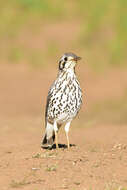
[{"x": 77, "y": 58}]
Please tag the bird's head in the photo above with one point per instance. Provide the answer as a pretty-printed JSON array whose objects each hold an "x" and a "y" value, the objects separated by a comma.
[{"x": 68, "y": 61}]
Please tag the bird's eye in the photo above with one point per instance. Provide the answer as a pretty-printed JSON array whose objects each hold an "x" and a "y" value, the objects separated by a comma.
[{"x": 65, "y": 59}]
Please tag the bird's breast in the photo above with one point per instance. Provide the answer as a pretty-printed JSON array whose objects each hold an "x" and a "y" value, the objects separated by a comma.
[{"x": 65, "y": 99}]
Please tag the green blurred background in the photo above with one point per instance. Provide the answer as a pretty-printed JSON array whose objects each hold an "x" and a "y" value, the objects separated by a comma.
[{"x": 98, "y": 30}]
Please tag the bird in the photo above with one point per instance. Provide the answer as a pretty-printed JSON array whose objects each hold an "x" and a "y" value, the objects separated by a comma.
[{"x": 64, "y": 100}]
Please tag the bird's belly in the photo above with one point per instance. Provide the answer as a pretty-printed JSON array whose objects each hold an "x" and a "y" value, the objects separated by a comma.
[
  {"x": 62, "y": 118},
  {"x": 65, "y": 103},
  {"x": 62, "y": 112}
]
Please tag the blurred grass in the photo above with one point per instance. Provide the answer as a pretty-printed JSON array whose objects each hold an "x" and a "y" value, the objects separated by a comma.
[{"x": 102, "y": 37}]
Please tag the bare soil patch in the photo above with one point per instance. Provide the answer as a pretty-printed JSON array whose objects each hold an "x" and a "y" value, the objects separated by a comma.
[{"x": 97, "y": 161}]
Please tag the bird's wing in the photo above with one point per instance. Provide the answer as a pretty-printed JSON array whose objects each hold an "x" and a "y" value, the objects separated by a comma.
[
  {"x": 48, "y": 100},
  {"x": 47, "y": 105}
]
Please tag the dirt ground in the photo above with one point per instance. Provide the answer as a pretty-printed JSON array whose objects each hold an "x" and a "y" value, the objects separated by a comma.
[{"x": 98, "y": 158}]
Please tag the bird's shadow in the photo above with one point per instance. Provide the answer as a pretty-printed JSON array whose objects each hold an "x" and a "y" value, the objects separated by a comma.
[{"x": 63, "y": 146}]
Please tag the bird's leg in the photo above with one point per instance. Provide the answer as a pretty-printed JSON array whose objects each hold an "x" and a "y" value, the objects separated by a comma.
[
  {"x": 56, "y": 131},
  {"x": 56, "y": 139},
  {"x": 67, "y": 126}
]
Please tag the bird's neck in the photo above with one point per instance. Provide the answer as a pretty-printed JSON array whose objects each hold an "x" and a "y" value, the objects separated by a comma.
[{"x": 68, "y": 73}]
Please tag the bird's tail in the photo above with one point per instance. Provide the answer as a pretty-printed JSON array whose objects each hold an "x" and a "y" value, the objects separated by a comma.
[{"x": 49, "y": 136}]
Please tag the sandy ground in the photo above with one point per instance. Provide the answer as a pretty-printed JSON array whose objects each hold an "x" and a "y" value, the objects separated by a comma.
[{"x": 96, "y": 161}]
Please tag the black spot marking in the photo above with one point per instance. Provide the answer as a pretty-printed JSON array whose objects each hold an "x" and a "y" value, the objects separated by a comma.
[
  {"x": 65, "y": 59},
  {"x": 64, "y": 64}
]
